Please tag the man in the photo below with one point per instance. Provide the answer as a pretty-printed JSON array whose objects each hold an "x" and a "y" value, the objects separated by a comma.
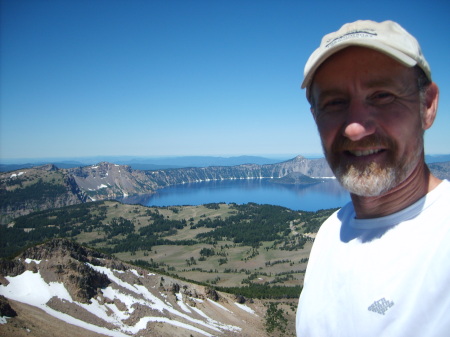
[{"x": 380, "y": 266}]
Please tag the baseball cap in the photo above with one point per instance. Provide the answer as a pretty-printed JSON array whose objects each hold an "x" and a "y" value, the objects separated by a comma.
[{"x": 387, "y": 37}]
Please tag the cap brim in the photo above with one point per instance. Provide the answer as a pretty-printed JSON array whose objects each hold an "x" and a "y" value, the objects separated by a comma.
[{"x": 372, "y": 44}]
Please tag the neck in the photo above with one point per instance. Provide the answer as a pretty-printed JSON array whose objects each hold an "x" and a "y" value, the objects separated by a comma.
[{"x": 417, "y": 185}]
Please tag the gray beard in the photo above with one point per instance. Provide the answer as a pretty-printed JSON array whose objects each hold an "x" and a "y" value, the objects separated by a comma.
[
  {"x": 374, "y": 180},
  {"x": 371, "y": 181}
]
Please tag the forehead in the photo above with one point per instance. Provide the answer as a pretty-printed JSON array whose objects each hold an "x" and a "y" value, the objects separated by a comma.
[{"x": 362, "y": 66}]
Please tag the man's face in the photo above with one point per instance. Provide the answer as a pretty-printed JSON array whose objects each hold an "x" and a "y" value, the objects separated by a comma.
[{"x": 367, "y": 109}]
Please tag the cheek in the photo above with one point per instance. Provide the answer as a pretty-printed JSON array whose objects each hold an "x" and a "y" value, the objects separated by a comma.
[
  {"x": 405, "y": 131},
  {"x": 327, "y": 131},
  {"x": 412, "y": 141}
]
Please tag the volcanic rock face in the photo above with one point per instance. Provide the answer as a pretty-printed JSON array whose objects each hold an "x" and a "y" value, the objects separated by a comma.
[
  {"x": 78, "y": 286},
  {"x": 312, "y": 168},
  {"x": 108, "y": 181}
]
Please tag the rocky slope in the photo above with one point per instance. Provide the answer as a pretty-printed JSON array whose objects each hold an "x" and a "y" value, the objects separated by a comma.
[
  {"x": 82, "y": 292},
  {"x": 44, "y": 187},
  {"x": 441, "y": 170}
]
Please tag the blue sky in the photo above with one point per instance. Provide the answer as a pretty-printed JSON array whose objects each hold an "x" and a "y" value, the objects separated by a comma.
[{"x": 173, "y": 78}]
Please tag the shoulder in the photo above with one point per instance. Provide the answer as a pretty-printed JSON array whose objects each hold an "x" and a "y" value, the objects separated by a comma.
[
  {"x": 438, "y": 198},
  {"x": 444, "y": 187},
  {"x": 331, "y": 228},
  {"x": 335, "y": 221}
]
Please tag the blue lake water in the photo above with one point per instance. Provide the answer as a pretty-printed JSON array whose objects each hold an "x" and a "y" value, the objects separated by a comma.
[{"x": 261, "y": 191}]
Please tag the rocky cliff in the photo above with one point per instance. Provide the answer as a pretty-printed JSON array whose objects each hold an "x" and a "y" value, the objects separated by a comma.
[
  {"x": 108, "y": 181},
  {"x": 316, "y": 168},
  {"x": 80, "y": 292}
]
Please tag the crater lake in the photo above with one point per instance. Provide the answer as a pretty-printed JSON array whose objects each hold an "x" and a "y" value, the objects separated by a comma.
[{"x": 328, "y": 194}]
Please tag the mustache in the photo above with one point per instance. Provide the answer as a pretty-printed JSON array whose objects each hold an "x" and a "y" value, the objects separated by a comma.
[{"x": 342, "y": 143}]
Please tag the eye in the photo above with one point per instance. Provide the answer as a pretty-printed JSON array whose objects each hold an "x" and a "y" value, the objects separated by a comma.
[
  {"x": 333, "y": 105},
  {"x": 381, "y": 98},
  {"x": 335, "y": 102}
]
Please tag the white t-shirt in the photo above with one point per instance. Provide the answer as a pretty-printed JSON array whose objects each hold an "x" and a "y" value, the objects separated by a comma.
[{"x": 388, "y": 276}]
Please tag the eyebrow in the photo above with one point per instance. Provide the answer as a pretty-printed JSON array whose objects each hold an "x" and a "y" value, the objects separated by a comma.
[
  {"x": 370, "y": 84},
  {"x": 400, "y": 87},
  {"x": 382, "y": 82},
  {"x": 330, "y": 92}
]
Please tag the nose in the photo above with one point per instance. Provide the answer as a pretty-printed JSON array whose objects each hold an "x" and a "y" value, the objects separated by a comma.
[{"x": 359, "y": 123}]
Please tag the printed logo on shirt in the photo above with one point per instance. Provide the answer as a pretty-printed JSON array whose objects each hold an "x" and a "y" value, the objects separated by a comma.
[{"x": 381, "y": 306}]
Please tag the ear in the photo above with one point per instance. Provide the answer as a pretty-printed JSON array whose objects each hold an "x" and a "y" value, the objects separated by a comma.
[{"x": 430, "y": 105}]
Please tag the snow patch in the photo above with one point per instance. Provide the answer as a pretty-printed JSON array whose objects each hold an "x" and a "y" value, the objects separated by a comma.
[
  {"x": 134, "y": 271},
  {"x": 245, "y": 308},
  {"x": 198, "y": 300},
  {"x": 31, "y": 260},
  {"x": 14, "y": 175},
  {"x": 142, "y": 324},
  {"x": 218, "y": 305},
  {"x": 31, "y": 288},
  {"x": 180, "y": 302}
]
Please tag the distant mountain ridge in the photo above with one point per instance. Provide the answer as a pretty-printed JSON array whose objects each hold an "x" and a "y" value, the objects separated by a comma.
[
  {"x": 161, "y": 163},
  {"x": 194, "y": 161},
  {"x": 145, "y": 163}
]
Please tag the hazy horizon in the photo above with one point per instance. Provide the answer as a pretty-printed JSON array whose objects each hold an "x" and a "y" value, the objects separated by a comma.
[
  {"x": 129, "y": 157},
  {"x": 89, "y": 160}
]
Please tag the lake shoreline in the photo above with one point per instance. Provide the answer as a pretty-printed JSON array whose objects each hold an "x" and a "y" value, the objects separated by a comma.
[{"x": 307, "y": 197}]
